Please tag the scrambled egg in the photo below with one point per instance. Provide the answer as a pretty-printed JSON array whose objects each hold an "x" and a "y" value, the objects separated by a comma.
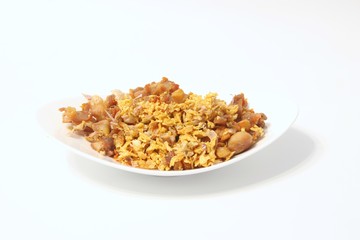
[{"x": 160, "y": 127}]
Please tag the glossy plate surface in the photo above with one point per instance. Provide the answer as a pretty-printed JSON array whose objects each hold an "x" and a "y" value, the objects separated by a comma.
[{"x": 280, "y": 110}]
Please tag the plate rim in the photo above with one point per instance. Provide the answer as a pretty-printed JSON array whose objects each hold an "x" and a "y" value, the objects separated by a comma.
[{"x": 52, "y": 109}]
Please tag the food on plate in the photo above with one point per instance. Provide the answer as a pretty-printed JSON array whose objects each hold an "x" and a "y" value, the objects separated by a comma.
[{"x": 161, "y": 127}]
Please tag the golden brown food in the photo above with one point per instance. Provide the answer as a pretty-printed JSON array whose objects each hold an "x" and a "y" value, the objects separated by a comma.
[
  {"x": 240, "y": 141},
  {"x": 159, "y": 126}
]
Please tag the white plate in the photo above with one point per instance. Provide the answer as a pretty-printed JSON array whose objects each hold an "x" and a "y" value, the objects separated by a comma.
[{"x": 281, "y": 113}]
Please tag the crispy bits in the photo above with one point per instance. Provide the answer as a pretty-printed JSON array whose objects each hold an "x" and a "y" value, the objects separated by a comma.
[{"x": 159, "y": 126}]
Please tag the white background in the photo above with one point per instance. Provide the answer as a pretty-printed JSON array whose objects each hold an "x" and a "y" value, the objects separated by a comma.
[{"x": 304, "y": 186}]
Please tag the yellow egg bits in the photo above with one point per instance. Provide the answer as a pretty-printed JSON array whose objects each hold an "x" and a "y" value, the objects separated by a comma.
[{"x": 160, "y": 127}]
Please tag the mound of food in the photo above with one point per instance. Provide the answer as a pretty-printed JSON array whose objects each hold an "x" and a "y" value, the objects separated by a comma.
[{"x": 161, "y": 127}]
